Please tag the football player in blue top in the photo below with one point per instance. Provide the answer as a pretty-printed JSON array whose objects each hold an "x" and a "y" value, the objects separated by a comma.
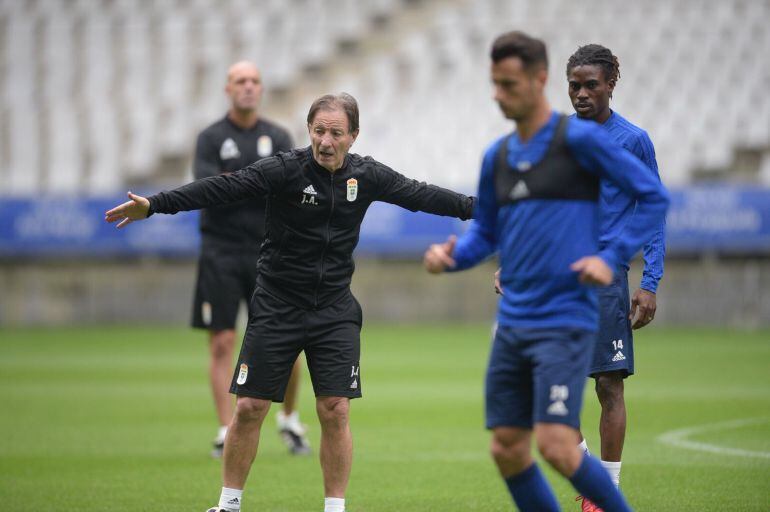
[
  {"x": 592, "y": 74},
  {"x": 538, "y": 206}
]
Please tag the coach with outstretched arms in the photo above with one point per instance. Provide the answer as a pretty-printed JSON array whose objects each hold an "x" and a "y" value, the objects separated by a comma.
[{"x": 316, "y": 200}]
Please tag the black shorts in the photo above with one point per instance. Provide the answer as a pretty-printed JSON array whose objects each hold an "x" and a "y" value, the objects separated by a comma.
[
  {"x": 278, "y": 332},
  {"x": 225, "y": 277}
]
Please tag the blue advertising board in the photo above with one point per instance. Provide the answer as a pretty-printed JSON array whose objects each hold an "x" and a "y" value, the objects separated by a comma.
[
  {"x": 75, "y": 227},
  {"x": 718, "y": 218}
]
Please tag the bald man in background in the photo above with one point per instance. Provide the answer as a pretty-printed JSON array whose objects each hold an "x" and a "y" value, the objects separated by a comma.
[{"x": 231, "y": 236}]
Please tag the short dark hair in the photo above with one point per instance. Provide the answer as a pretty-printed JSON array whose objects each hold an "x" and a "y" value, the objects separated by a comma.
[
  {"x": 530, "y": 50},
  {"x": 342, "y": 101},
  {"x": 596, "y": 55}
]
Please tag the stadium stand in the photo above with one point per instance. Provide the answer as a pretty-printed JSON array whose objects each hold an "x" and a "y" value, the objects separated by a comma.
[
  {"x": 101, "y": 94},
  {"x": 679, "y": 78}
]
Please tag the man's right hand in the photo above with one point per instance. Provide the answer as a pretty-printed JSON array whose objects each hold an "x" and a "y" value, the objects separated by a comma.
[
  {"x": 135, "y": 209},
  {"x": 438, "y": 257},
  {"x": 593, "y": 270}
]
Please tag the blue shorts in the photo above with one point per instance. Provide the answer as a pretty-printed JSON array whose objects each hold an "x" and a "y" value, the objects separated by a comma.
[
  {"x": 537, "y": 376},
  {"x": 614, "y": 342}
]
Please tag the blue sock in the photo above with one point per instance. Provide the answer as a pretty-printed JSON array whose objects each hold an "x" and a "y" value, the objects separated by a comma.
[
  {"x": 592, "y": 481},
  {"x": 531, "y": 492}
]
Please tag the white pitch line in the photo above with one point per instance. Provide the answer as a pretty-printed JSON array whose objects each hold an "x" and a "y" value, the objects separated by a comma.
[{"x": 679, "y": 439}]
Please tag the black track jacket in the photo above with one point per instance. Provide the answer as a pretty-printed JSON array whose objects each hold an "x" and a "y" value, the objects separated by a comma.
[{"x": 313, "y": 216}]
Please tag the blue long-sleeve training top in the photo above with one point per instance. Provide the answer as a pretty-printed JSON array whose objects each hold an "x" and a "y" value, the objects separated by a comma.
[
  {"x": 617, "y": 207},
  {"x": 538, "y": 239}
]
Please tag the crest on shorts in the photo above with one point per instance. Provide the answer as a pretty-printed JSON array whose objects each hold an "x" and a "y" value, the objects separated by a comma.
[
  {"x": 243, "y": 374},
  {"x": 352, "y": 189},
  {"x": 206, "y": 313}
]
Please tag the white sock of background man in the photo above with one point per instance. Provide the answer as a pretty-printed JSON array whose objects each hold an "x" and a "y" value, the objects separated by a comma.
[
  {"x": 612, "y": 468},
  {"x": 230, "y": 499},
  {"x": 221, "y": 433},
  {"x": 334, "y": 504}
]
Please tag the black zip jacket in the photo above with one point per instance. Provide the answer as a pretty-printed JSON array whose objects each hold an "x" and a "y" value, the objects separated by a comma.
[{"x": 313, "y": 216}]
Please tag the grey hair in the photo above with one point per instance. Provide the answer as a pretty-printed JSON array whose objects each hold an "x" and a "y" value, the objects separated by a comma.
[{"x": 342, "y": 101}]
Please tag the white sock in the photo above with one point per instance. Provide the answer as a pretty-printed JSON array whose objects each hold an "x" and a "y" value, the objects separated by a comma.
[
  {"x": 584, "y": 446},
  {"x": 230, "y": 499},
  {"x": 221, "y": 433},
  {"x": 289, "y": 421},
  {"x": 334, "y": 504},
  {"x": 613, "y": 468},
  {"x": 284, "y": 419}
]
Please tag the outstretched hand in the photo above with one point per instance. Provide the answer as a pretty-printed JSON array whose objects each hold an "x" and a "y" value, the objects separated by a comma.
[
  {"x": 438, "y": 257},
  {"x": 135, "y": 209},
  {"x": 593, "y": 270},
  {"x": 643, "y": 307}
]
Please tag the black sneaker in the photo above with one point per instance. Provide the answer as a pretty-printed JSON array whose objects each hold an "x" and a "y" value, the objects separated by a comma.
[
  {"x": 295, "y": 440},
  {"x": 218, "y": 450},
  {"x": 293, "y": 433}
]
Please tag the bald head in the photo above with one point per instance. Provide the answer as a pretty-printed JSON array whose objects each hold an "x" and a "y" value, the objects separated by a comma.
[
  {"x": 244, "y": 87},
  {"x": 242, "y": 66}
]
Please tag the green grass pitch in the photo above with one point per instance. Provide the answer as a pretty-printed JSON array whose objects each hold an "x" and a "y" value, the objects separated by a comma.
[{"x": 120, "y": 419}]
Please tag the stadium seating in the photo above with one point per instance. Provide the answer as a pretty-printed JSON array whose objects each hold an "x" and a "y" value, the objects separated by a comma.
[
  {"x": 96, "y": 95},
  {"x": 680, "y": 72}
]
